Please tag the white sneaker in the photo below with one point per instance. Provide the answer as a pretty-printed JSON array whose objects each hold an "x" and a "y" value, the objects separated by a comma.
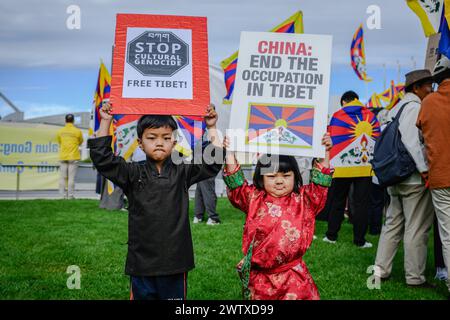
[
  {"x": 441, "y": 274},
  {"x": 366, "y": 245},
  {"x": 212, "y": 222},
  {"x": 328, "y": 240},
  {"x": 196, "y": 220}
]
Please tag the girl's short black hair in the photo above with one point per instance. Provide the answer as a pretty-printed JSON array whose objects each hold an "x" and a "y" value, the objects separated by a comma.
[
  {"x": 155, "y": 121},
  {"x": 276, "y": 163}
]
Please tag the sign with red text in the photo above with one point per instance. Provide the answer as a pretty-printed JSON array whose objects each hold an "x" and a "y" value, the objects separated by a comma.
[
  {"x": 160, "y": 65},
  {"x": 280, "y": 101}
]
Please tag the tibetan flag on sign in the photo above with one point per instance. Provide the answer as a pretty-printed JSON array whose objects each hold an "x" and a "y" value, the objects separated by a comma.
[
  {"x": 358, "y": 56},
  {"x": 429, "y": 13},
  {"x": 294, "y": 24},
  {"x": 353, "y": 130},
  {"x": 280, "y": 125},
  {"x": 102, "y": 93}
]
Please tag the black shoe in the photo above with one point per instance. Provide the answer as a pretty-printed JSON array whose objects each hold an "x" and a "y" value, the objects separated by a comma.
[{"x": 425, "y": 285}]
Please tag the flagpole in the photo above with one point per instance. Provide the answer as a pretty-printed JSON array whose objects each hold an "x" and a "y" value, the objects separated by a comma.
[{"x": 367, "y": 89}]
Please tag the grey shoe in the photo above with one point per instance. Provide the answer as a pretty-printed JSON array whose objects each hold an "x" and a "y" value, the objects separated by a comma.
[
  {"x": 366, "y": 245},
  {"x": 196, "y": 220},
  {"x": 212, "y": 222},
  {"x": 325, "y": 239}
]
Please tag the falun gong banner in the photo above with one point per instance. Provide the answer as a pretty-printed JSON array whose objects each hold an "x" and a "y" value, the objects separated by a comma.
[
  {"x": 30, "y": 151},
  {"x": 160, "y": 65},
  {"x": 280, "y": 102}
]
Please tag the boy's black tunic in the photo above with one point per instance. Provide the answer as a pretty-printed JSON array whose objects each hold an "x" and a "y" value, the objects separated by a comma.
[{"x": 159, "y": 235}]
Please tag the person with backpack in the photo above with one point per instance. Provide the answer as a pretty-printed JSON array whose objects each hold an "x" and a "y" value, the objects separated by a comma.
[{"x": 410, "y": 212}]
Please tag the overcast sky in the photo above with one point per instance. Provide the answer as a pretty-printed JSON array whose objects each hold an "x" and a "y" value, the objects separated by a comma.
[{"x": 46, "y": 68}]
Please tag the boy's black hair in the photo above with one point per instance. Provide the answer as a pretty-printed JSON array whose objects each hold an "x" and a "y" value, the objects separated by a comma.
[
  {"x": 70, "y": 118},
  {"x": 279, "y": 163},
  {"x": 348, "y": 96},
  {"x": 155, "y": 121}
]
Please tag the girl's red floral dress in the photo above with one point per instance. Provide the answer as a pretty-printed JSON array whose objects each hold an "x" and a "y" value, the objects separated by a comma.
[{"x": 277, "y": 233}]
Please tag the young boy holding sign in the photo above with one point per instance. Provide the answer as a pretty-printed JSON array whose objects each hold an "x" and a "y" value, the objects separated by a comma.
[{"x": 160, "y": 251}]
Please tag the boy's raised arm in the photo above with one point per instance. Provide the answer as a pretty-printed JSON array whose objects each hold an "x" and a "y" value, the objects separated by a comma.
[
  {"x": 210, "y": 164},
  {"x": 108, "y": 165}
]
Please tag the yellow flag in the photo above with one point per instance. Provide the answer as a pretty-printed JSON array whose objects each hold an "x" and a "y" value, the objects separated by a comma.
[{"x": 429, "y": 13}]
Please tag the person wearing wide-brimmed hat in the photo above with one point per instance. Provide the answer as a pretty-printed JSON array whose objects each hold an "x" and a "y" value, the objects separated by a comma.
[
  {"x": 434, "y": 122},
  {"x": 410, "y": 212}
]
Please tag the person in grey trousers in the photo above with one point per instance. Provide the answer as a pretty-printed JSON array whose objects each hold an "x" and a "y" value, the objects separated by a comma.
[
  {"x": 206, "y": 200},
  {"x": 410, "y": 212}
]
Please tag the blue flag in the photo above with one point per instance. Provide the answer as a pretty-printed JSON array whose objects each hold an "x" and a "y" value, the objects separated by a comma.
[{"x": 444, "y": 43}]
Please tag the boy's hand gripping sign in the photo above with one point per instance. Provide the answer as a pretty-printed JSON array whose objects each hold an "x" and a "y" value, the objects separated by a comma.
[
  {"x": 280, "y": 101},
  {"x": 160, "y": 65}
]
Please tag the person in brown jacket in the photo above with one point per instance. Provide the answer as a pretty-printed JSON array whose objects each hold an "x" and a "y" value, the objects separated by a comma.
[{"x": 434, "y": 122}]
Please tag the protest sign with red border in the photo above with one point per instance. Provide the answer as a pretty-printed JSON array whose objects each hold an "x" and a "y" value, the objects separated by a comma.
[{"x": 160, "y": 65}]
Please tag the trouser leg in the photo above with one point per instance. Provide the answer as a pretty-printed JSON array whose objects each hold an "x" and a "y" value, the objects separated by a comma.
[
  {"x": 441, "y": 202},
  {"x": 199, "y": 205},
  {"x": 72, "y": 172},
  {"x": 376, "y": 209},
  {"x": 391, "y": 234},
  {"x": 210, "y": 198},
  {"x": 360, "y": 200},
  {"x": 341, "y": 187},
  {"x": 419, "y": 213},
  {"x": 63, "y": 168},
  {"x": 172, "y": 287},
  {"x": 438, "y": 257}
]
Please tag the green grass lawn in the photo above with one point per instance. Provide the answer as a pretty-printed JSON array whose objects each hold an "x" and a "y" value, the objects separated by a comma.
[{"x": 39, "y": 239}]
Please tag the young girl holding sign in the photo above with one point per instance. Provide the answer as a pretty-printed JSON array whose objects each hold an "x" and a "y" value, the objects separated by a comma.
[{"x": 279, "y": 226}]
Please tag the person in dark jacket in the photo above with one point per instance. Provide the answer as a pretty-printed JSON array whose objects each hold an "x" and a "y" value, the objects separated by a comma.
[{"x": 160, "y": 251}]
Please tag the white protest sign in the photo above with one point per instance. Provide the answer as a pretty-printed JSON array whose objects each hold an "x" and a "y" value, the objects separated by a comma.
[
  {"x": 280, "y": 99},
  {"x": 159, "y": 64}
]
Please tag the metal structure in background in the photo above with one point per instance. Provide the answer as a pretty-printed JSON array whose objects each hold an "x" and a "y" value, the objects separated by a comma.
[{"x": 17, "y": 115}]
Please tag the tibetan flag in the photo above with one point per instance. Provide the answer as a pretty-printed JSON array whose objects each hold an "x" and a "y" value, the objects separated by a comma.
[
  {"x": 389, "y": 94},
  {"x": 281, "y": 125},
  {"x": 397, "y": 92},
  {"x": 374, "y": 102},
  {"x": 358, "y": 56},
  {"x": 353, "y": 130},
  {"x": 102, "y": 93},
  {"x": 190, "y": 131},
  {"x": 444, "y": 42},
  {"x": 429, "y": 13},
  {"x": 294, "y": 24}
]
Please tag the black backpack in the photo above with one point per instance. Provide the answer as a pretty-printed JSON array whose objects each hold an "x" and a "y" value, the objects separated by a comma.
[{"x": 391, "y": 161}]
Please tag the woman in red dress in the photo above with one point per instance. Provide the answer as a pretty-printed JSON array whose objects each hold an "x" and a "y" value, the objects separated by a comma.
[{"x": 279, "y": 226}]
